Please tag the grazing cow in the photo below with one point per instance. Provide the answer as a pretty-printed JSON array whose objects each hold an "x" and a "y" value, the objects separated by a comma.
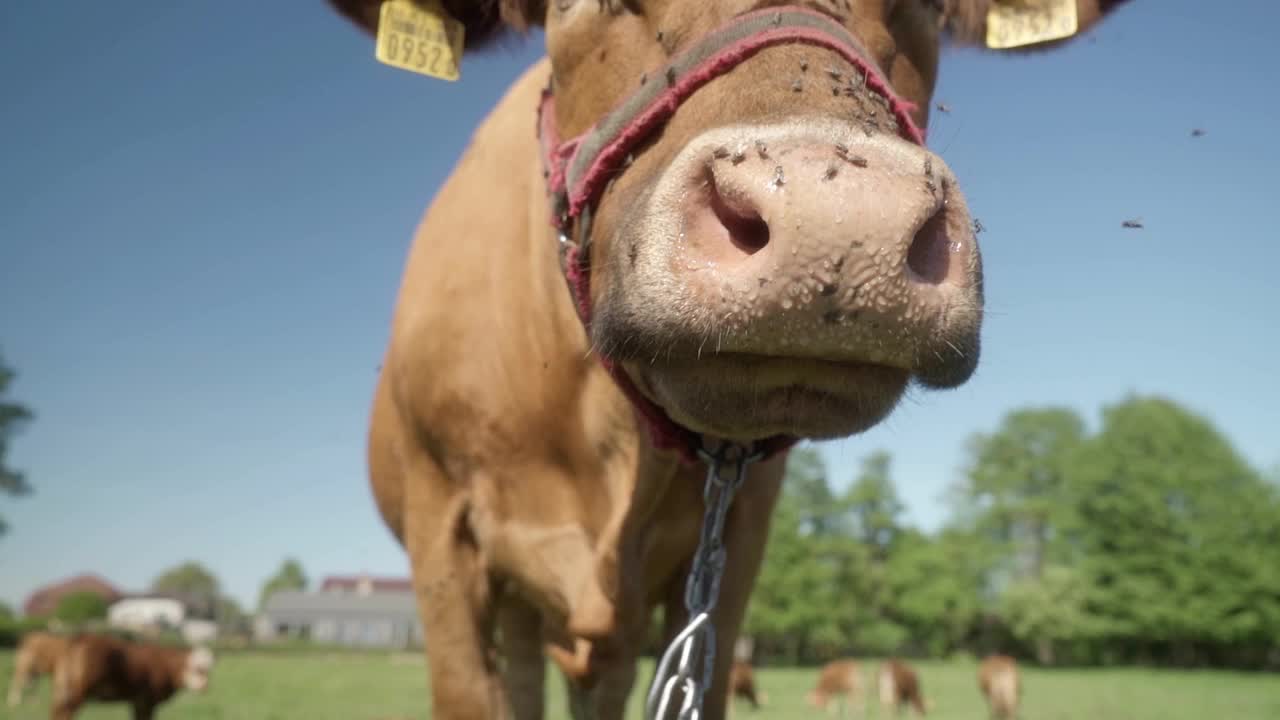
[
  {"x": 899, "y": 686},
  {"x": 37, "y": 655},
  {"x": 692, "y": 223},
  {"x": 742, "y": 683},
  {"x": 102, "y": 668},
  {"x": 1000, "y": 685},
  {"x": 840, "y": 680}
]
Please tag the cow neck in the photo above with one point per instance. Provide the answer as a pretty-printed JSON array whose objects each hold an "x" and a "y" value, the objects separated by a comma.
[{"x": 578, "y": 170}]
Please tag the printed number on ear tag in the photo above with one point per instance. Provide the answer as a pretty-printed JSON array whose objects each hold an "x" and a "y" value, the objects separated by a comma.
[
  {"x": 419, "y": 37},
  {"x": 1013, "y": 23}
]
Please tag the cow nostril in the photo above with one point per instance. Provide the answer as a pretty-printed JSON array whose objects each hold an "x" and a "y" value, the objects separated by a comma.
[
  {"x": 747, "y": 230},
  {"x": 929, "y": 257}
]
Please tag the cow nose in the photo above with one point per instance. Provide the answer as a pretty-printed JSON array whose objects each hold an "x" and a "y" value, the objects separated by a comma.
[{"x": 878, "y": 209}]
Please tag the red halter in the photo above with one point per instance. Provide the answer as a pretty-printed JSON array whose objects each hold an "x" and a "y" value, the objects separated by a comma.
[{"x": 578, "y": 170}]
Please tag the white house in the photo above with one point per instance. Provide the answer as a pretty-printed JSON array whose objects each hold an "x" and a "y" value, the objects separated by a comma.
[
  {"x": 354, "y": 611},
  {"x": 146, "y": 613}
]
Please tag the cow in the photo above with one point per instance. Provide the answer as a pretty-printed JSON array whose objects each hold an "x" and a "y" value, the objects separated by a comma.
[
  {"x": 37, "y": 655},
  {"x": 1001, "y": 686},
  {"x": 839, "y": 680},
  {"x": 105, "y": 668},
  {"x": 899, "y": 686},
  {"x": 693, "y": 230},
  {"x": 742, "y": 683}
]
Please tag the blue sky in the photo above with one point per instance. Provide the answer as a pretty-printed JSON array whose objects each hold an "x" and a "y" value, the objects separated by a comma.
[{"x": 204, "y": 209}]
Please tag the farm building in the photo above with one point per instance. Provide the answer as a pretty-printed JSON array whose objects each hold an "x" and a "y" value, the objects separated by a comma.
[
  {"x": 154, "y": 612},
  {"x": 359, "y": 611}
]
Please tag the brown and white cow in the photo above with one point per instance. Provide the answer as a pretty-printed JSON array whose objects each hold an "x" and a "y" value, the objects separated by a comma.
[
  {"x": 104, "y": 668},
  {"x": 37, "y": 655},
  {"x": 760, "y": 249},
  {"x": 1000, "y": 684},
  {"x": 899, "y": 686},
  {"x": 841, "y": 681}
]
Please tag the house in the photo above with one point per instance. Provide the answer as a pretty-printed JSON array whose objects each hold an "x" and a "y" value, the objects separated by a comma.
[
  {"x": 365, "y": 584},
  {"x": 44, "y": 600},
  {"x": 146, "y": 612},
  {"x": 356, "y": 611},
  {"x": 150, "y": 613}
]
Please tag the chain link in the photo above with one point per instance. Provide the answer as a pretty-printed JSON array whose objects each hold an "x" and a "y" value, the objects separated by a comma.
[{"x": 702, "y": 589}]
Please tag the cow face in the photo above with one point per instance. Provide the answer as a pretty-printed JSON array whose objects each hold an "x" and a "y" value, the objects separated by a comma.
[
  {"x": 777, "y": 259},
  {"x": 195, "y": 671}
]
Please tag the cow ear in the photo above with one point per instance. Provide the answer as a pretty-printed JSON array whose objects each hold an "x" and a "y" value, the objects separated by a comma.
[
  {"x": 965, "y": 21},
  {"x": 484, "y": 20}
]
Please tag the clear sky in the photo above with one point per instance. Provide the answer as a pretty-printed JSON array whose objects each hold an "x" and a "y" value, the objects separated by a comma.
[{"x": 204, "y": 208}]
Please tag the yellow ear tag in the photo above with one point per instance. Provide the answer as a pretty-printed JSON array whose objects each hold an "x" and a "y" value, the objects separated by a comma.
[
  {"x": 1013, "y": 23},
  {"x": 419, "y": 37}
]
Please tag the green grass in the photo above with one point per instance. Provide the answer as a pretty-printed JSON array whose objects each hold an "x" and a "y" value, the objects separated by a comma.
[{"x": 381, "y": 686}]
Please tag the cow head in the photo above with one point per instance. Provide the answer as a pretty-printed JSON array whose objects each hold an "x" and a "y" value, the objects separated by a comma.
[
  {"x": 196, "y": 669},
  {"x": 779, "y": 257}
]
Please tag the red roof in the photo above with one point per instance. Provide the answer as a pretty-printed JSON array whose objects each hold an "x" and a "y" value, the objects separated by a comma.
[
  {"x": 45, "y": 600},
  {"x": 352, "y": 582}
]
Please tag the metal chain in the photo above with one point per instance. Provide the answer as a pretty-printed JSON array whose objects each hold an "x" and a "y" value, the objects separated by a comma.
[{"x": 701, "y": 591}]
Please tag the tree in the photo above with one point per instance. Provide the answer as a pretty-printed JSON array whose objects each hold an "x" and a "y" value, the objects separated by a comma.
[
  {"x": 1048, "y": 612},
  {"x": 933, "y": 588},
  {"x": 289, "y": 577},
  {"x": 873, "y": 507},
  {"x": 1016, "y": 490},
  {"x": 80, "y": 607},
  {"x": 229, "y": 616},
  {"x": 194, "y": 584},
  {"x": 6, "y": 613},
  {"x": 13, "y": 416},
  {"x": 791, "y": 607},
  {"x": 1180, "y": 537}
]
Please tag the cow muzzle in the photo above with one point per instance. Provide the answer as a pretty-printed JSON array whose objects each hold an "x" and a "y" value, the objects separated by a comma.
[{"x": 793, "y": 278}]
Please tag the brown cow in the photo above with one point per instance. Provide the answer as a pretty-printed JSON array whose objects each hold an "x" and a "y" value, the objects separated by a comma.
[
  {"x": 742, "y": 683},
  {"x": 104, "y": 668},
  {"x": 899, "y": 685},
  {"x": 840, "y": 680},
  {"x": 37, "y": 655},
  {"x": 758, "y": 248},
  {"x": 1000, "y": 685}
]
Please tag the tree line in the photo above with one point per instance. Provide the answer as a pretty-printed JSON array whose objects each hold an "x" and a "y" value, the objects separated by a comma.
[{"x": 1148, "y": 541}]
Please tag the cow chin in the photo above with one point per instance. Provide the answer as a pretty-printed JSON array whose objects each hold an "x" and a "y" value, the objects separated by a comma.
[{"x": 748, "y": 397}]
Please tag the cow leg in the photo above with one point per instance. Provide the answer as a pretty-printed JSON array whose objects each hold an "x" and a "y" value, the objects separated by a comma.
[
  {"x": 65, "y": 703},
  {"x": 608, "y": 699},
  {"x": 143, "y": 710},
  {"x": 64, "y": 710},
  {"x": 454, "y": 598},
  {"x": 21, "y": 676},
  {"x": 524, "y": 673}
]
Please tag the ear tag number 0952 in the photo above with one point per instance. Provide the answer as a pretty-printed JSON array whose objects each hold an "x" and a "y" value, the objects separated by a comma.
[{"x": 419, "y": 37}]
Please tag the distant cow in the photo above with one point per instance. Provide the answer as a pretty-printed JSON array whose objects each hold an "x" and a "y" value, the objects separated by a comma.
[
  {"x": 839, "y": 680},
  {"x": 899, "y": 686},
  {"x": 37, "y": 655},
  {"x": 742, "y": 683},
  {"x": 1000, "y": 685},
  {"x": 107, "y": 669}
]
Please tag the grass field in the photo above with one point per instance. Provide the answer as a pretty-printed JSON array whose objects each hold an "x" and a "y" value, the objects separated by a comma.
[{"x": 339, "y": 686}]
